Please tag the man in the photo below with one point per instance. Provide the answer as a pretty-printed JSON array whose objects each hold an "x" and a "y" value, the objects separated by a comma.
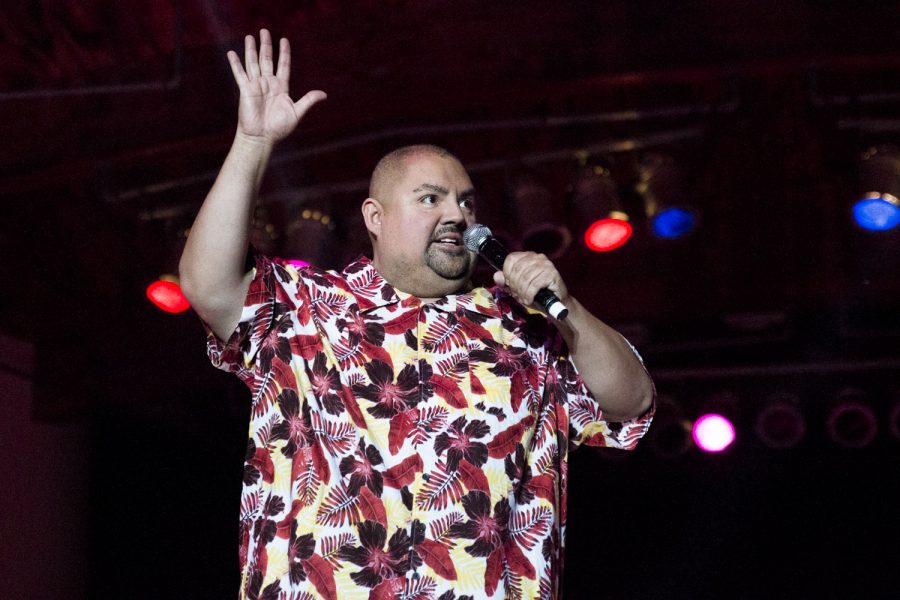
[{"x": 409, "y": 435}]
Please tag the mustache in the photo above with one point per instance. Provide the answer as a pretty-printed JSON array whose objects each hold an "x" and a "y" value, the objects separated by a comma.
[{"x": 446, "y": 230}]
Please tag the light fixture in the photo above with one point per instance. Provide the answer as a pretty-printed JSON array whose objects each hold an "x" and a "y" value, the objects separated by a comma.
[
  {"x": 536, "y": 213},
  {"x": 597, "y": 207},
  {"x": 876, "y": 207},
  {"x": 780, "y": 424},
  {"x": 165, "y": 294},
  {"x": 660, "y": 183},
  {"x": 851, "y": 421}
]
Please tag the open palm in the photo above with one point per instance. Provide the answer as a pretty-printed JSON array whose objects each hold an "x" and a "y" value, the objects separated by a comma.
[{"x": 266, "y": 110}]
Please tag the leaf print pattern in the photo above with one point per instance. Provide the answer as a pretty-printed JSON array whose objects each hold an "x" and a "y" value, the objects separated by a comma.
[{"x": 376, "y": 434}]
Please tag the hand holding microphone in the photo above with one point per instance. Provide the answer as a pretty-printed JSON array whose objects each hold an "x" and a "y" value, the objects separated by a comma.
[{"x": 478, "y": 239}]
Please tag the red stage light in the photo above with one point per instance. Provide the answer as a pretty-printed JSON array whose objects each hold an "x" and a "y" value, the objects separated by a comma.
[
  {"x": 607, "y": 234},
  {"x": 166, "y": 295}
]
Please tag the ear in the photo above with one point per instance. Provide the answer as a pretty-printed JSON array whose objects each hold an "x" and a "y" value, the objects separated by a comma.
[{"x": 372, "y": 211}]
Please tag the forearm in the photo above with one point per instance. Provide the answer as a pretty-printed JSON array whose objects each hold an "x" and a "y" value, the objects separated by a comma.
[
  {"x": 611, "y": 370},
  {"x": 212, "y": 269}
]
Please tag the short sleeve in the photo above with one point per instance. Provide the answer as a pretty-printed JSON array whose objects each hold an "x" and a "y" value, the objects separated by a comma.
[
  {"x": 238, "y": 353},
  {"x": 587, "y": 424}
]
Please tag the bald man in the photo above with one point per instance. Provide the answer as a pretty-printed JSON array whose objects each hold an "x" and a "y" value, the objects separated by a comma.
[{"x": 409, "y": 433}]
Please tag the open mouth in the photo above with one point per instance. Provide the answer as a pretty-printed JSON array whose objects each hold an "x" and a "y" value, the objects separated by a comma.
[{"x": 449, "y": 241}]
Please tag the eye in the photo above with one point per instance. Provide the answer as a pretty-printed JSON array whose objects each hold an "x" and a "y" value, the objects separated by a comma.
[
  {"x": 430, "y": 199},
  {"x": 467, "y": 203}
]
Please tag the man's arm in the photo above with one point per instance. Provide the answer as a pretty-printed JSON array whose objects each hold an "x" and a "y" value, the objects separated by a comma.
[
  {"x": 211, "y": 270},
  {"x": 611, "y": 370}
]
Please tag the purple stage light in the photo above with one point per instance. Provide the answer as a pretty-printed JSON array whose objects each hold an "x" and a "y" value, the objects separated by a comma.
[{"x": 713, "y": 433}]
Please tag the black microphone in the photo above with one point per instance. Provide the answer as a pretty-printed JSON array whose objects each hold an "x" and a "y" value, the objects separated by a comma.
[{"x": 478, "y": 239}]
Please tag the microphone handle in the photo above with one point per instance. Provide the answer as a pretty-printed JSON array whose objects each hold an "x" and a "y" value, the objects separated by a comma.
[{"x": 495, "y": 254}]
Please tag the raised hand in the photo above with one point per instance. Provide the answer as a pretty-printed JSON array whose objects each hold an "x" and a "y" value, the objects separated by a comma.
[{"x": 266, "y": 111}]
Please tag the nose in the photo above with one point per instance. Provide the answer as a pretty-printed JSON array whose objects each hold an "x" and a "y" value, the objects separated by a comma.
[{"x": 453, "y": 212}]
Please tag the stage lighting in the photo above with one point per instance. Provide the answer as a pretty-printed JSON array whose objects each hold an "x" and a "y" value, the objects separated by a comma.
[
  {"x": 536, "y": 214},
  {"x": 780, "y": 424},
  {"x": 851, "y": 421},
  {"x": 165, "y": 294},
  {"x": 661, "y": 185},
  {"x": 713, "y": 432},
  {"x": 595, "y": 201},
  {"x": 264, "y": 233},
  {"x": 877, "y": 207}
]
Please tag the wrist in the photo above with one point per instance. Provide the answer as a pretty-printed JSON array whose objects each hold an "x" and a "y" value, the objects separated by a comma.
[{"x": 258, "y": 142}]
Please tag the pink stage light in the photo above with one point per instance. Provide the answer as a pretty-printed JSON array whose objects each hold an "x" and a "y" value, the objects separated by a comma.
[
  {"x": 713, "y": 433},
  {"x": 298, "y": 263}
]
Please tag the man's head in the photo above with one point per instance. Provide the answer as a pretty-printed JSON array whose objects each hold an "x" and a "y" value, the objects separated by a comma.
[{"x": 420, "y": 201}]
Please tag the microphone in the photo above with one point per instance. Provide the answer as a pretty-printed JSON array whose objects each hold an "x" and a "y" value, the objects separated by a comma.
[{"x": 478, "y": 238}]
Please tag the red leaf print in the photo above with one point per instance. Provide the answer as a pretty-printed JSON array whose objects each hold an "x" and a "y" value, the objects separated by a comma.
[
  {"x": 263, "y": 463},
  {"x": 517, "y": 389},
  {"x": 473, "y": 477},
  {"x": 437, "y": 557},
  {"x": 401, "y": 424},
  {"x": 371, "y": 506},
  {"x": 543, "y": 486},
  {"x": 447, "y": 389},
  {"x": 474, "y": 329},
  {"x": 492, "y": 571},
  {"x": 403, "y": 323},
  {"x": 306, "y": 345},
  {"x": 284, "y": 527},
  {"x": 352, "y": 407},
  {"x": 389, "y": 589},
  {"x": 504, "y": 443},
  {"x": 376, "y": 353},
  {"x": 476, "y": 385},
  {"x": 403, "y": 473},
  {"x": 321, "y": 575},
  {"x": 518, "y": 563}
]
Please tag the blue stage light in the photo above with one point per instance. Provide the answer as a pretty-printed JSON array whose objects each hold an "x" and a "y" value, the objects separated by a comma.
[
  {"x": 673, "y": 223},
  {"x": 877, "y": 212}
]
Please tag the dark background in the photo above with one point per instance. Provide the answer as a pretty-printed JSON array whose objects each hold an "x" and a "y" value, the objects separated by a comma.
[{"x": 122, "y": 447}]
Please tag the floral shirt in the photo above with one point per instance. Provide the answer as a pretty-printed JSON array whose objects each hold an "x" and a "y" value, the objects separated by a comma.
[{"x": 401, "y": 449}]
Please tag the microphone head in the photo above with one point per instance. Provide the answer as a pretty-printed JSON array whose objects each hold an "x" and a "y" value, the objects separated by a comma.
[{"x": 474, "y": 236}]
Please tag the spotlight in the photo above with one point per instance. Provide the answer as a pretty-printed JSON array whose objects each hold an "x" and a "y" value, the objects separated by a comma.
[
  {"x": 877, "y": 207},
  {"x": 535, "y": 211},
  {"x": 713, "y": 432},
  {"x": 780, "y": 424},
  {"x": 165, "y": 294},
  {"x": 851, "y": 422},
  {"x": 595, "y": 200},
  {"x": 660, "y": 184}
]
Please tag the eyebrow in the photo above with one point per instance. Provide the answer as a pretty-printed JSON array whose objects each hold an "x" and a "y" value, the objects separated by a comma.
[{"x": 431, "y": 187}]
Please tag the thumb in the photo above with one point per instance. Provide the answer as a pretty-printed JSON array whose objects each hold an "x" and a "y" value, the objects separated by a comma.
[
  {"x": 499, "y": 279},
  {"x": 307, "y": 101}
]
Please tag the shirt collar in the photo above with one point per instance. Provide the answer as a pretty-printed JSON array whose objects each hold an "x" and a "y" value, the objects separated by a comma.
[{"x": 378, "y": 293}]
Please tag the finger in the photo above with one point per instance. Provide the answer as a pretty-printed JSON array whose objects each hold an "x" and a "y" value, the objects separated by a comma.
[
  {"x": 250, "y": 57},
  {"x": 306, "y": 102},
  {"x": 236, "y": 68},
  {"x": 284, "y": 61},
  {"x": 499, "y": 279},
  {"x": 266, "y": 64}
]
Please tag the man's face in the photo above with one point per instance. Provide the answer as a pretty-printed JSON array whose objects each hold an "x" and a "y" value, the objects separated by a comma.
[{"x": 419, "y": 248}]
